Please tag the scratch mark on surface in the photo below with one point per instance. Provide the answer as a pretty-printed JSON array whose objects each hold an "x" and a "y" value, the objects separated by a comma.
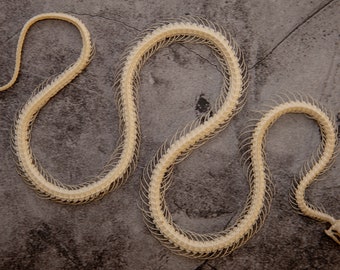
[
  {"x": 310, "y": 16},
  {"x": 200, "y": 267},
  {"x": 204, "y": 58},
  {"x": 10, "y": 37},
  {"x": 106, "y": 18}
]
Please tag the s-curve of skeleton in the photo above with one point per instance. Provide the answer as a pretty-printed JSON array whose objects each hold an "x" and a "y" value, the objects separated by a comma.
[{"x": 158, "y": 174}]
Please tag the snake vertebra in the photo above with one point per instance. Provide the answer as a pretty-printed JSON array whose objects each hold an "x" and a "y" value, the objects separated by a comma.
[{"x": 158, "y": 174}]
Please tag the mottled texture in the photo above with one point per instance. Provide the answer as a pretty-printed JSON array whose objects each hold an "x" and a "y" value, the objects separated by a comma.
[{"x": 290, "y": 46}]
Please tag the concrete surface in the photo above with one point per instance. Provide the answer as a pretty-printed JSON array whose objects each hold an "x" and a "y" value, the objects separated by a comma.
[{"x": 289, "y": 46}]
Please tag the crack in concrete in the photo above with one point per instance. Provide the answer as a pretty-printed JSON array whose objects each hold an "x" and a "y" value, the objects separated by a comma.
[
  {"x": 106, "y": 18},
  {"x": 211, "y": 266},
  {"x": 205, "y": 263},
  {"x": 200, "y": 267},
  {"x": 139, "y": 30},
  {"x": 310, "y": 16},
  {"x": 23, "y": 71},
  {"x": 204, "y": 58},
  {"x": 10, "y": 37}
]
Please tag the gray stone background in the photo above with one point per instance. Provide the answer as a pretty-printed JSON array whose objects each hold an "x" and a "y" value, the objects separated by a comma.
[{"x": 290, "y": 46}]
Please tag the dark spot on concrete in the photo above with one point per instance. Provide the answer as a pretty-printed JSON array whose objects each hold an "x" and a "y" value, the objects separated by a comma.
[
  {"x": 44, "y": 237},
  {"x": 203, "y": 108},
  {"x": 42, "y": 241},
  {"x": 37, "y": 239},
  {"x": 202, "y": 105},
  {"x": 46, "y": 241}
]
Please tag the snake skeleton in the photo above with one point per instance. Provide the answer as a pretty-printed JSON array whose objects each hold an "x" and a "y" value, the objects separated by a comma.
[
  {"x": 158, "y": 174},
  {"x": 125, "y": 156}
]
